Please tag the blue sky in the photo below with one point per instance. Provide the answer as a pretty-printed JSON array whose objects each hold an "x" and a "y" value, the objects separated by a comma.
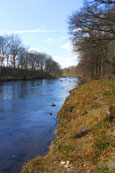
[{"x": 42, "y": 25}]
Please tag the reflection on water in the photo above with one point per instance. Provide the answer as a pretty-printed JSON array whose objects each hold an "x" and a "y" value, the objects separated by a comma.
[{"x": 26, "y": 129}]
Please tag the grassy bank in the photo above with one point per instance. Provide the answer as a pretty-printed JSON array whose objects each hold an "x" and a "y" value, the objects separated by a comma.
[
  {"x": 85, "y": 140},
  {"x": 10, "y": 74},
  {"x": 11, "y": 78}
]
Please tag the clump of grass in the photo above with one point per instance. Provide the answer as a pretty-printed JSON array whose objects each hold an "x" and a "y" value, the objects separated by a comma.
[
  {"x": 101, "y": 142},
  {"x": 106, "y": 93},
  {"x": 103, "y": 169},
  {"x": 95, "y": 106}
]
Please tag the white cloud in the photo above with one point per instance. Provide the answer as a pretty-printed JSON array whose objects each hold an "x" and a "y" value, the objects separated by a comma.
[
  {"x": 77, "y": 30},
  {"x": 49, "y": 39},
  {"x": 64, "y": 38},
  {"x": 65, "y": 61},
  {"x": 30, "y": 31},
  {"x": 67, "y": 46},
  {"x": 33, "y": 50}
]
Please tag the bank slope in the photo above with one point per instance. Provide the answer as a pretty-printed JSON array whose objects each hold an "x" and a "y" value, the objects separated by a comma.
[{"x": 85, "y": 134}]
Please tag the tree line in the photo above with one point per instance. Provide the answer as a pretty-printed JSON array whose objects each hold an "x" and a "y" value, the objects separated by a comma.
[
  {"x": 17, "y": 61},
  {"x": 69, "y": 71},
  {"x": 92, "y": 30}
]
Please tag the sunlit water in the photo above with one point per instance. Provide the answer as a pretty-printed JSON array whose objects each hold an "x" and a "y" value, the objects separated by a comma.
[{"x": 26, "y": 128}]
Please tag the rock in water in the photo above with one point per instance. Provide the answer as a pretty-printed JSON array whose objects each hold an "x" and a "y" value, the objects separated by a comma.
[
  {"x": 50, "y": 113},
  {"x": 53, "y": 104}
]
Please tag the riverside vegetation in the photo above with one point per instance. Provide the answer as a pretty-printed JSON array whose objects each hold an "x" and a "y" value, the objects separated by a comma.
[
  {"x": 84, "y": 111},
  {"x": 18, "y": 62}
]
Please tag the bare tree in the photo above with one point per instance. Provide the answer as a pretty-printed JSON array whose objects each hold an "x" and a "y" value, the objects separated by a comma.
[
  {"x": 14, "y": 47},
  {"x": 3, "y": 50},
  {"x": 52, "y": 67},
  {"x": 21, "y": 57}
]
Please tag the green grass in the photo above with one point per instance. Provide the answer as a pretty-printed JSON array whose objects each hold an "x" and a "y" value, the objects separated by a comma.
[{"x": 106, "y": 93}]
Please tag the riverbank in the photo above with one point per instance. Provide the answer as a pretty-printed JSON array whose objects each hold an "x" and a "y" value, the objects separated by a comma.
[
  {"x": 85, "y": 135},
  {"x": 10, "y": 74},
  {"x": 10, "y": 78}
]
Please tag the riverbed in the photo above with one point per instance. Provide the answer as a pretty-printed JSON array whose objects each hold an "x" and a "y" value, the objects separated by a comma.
[{"x": 27, "y": 119}]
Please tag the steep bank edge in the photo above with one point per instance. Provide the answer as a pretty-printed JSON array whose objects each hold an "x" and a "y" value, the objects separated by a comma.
[{"x": 85, "y": 137}]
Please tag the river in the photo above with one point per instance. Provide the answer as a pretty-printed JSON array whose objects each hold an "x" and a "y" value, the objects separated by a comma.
[{"x": 26, "y": 127}]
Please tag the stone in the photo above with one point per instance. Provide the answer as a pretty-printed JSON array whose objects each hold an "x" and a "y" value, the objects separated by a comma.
[
  {"x": 82, "y": 133},
  {"x": 52, "y": 104},
  {"x": 50, "y": 113},
  {"x": 110, "y": 113}
]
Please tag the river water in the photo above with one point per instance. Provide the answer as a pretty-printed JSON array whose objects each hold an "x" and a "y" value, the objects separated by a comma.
[{"x": 26, "y": 128}]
